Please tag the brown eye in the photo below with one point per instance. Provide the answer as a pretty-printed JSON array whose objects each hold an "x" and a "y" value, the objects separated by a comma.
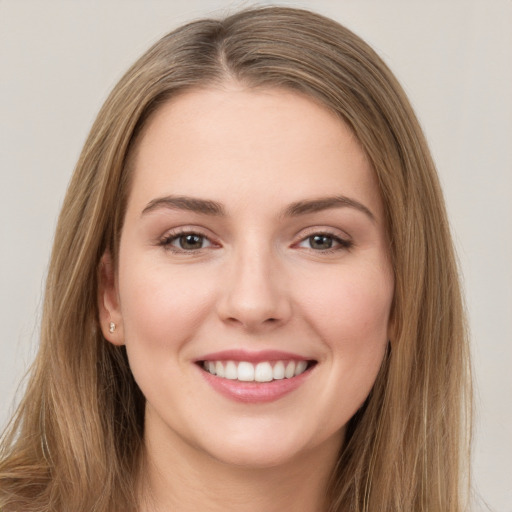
[
  {"x": 320, "y": 242},
  {"x": 186, "y": 242},
  {"x": 190, "y": 242}
]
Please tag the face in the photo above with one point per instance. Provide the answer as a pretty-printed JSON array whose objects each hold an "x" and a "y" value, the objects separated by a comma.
[{"x": 254, "y": 287}]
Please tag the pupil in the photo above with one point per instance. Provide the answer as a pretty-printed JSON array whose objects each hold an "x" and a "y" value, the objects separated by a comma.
[
  {"x": 191, "y": 241},
  {"x": 321, "y": 242}
]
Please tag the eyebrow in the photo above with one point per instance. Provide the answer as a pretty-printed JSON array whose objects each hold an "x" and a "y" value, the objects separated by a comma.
[
  {"x": 326, "y": 203},
  {"x": 209, "y": 207},
  {"x": 192, "y": 204}
]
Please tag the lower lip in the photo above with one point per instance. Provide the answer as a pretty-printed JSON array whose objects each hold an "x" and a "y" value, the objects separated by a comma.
[{"x": 254, "y": 392}]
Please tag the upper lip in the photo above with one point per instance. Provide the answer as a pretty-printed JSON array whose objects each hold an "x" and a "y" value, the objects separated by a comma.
[{"x": 253, "y": 356}]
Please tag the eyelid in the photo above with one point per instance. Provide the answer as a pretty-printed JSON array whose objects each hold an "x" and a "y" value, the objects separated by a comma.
[
  {"x": 176, "y": 238},
  {"x": 173, "y": 234},
  {"x": 343, "y": 240},
  {"x": 323, "y": 230}
]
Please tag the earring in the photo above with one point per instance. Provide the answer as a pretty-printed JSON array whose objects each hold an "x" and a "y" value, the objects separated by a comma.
[{"x": 112, "y": 327}]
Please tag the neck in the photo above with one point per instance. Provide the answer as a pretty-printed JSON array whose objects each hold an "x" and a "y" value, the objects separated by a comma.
[{"x": 178, "y": 477}]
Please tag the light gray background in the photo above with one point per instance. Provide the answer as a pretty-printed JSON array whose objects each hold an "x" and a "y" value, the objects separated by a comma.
[{"x": 59, "y": 59}]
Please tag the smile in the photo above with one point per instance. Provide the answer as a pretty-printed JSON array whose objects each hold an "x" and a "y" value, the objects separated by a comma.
[
  {"x": 265, "y": 371},
  {"x": 255, "y": 377}
]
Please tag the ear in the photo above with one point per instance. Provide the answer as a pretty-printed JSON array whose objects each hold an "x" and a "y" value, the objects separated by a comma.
[{"x": 108, "y": 302}]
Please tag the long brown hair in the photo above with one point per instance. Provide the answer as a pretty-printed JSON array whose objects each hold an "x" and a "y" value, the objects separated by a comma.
[{"x": 76, "y": 440}]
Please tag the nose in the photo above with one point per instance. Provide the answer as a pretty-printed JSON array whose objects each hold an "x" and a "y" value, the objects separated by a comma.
[{"x": 254, "y": 292}]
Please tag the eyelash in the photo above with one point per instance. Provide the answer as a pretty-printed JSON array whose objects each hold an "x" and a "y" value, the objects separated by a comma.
[
  {"x": 341, "y": 243},
  {"x": 169, "y": 238},
  {"x": 167, "y": 241}
]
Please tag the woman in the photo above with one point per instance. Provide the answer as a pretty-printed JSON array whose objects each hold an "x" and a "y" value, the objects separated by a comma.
[{"x": 253, "y": 300}]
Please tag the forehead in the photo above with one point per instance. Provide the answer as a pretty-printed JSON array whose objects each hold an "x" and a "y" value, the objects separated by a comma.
[{"x": 233, "y": 142}]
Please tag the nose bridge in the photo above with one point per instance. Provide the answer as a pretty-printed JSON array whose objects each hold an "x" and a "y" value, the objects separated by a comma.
[{"x": 254, "y": 294}]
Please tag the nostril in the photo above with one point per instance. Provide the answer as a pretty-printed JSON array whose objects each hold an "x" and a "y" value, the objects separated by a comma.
[{"x": 250, "y": 323}]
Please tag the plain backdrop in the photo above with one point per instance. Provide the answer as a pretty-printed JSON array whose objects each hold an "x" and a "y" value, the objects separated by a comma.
[{"x": 59, "y": 59}]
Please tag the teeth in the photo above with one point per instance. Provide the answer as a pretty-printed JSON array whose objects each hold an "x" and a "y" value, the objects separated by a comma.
[
  {"x": 301, "y": 366},
  {"x": 290, "y": 370},
  {"x": 231, "y": 371},
  {"x": 245, "y": 372},
  {"x": 219, "y": 369},
  {"x": 278, "y": 370},
  {"x": 261, "y": 372}
]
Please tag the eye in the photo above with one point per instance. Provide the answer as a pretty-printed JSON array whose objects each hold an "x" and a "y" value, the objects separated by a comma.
[
  {"x": 186, "y": 242},
  {"x": 320, "y": 242},
  {"x": 324, "y": 242},
  {"x": 190, "y": 242}
]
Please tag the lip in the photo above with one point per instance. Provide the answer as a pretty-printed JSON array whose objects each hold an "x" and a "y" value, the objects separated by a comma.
[
  {"x": 252, "y": 357},
  {"x": 253, "y": 392}
]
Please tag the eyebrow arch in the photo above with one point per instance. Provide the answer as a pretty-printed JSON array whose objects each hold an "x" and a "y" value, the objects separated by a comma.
[
  {"x": 208, "y": 207},
  {"x": 192, "y": 204},
  {"x": 325, "y": 203}
]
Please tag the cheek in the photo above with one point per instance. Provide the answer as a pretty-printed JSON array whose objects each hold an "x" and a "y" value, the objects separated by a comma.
[
  {"x": 351, "y": 312},
  {"x": 160, "y": 305},
  {"x": 162, "y": 309}
]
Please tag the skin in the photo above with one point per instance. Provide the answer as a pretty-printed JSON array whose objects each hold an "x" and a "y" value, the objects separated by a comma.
[{"x": 257, "y": 282}]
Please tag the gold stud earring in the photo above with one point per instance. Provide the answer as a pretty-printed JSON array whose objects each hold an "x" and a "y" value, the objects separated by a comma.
[{"x": 112, "y": 327}]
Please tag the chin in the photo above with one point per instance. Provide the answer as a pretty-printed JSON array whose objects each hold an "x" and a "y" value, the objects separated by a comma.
[
  {"x": 256, "y": 458},
  {"x": 271, "y": 451}
]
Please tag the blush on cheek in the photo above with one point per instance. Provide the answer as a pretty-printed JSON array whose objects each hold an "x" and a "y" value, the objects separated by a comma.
[
  {"x": 358, "y": 314},
  {"x": 163, "y": 306}
]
